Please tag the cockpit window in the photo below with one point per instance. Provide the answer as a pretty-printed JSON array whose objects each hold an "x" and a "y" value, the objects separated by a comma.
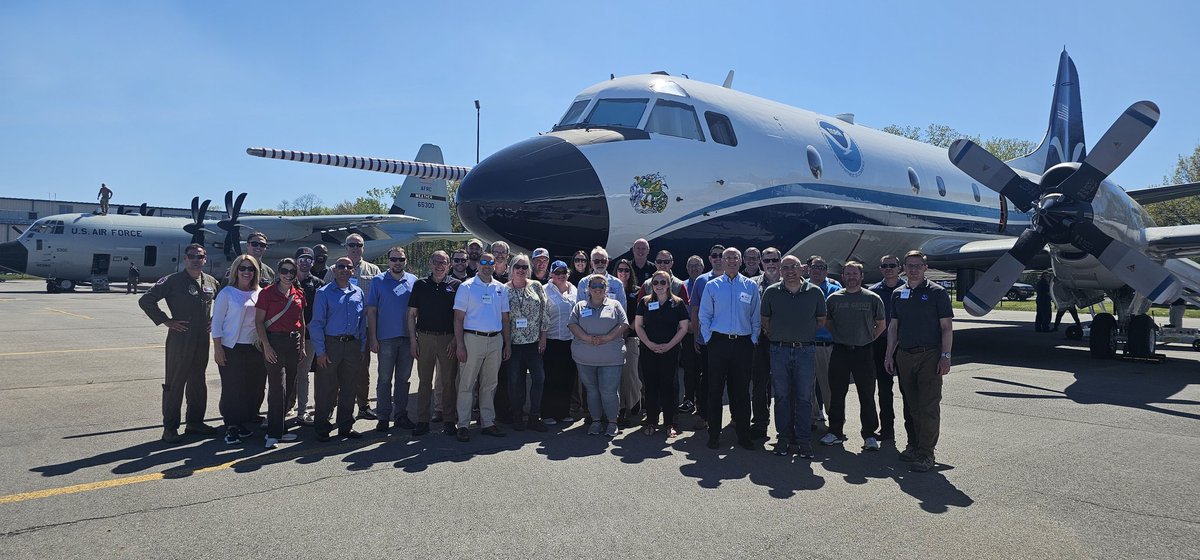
[
  {"x": 720, "y": 128},
  {"x": 674, "y": 119},
  {"x": 618, "y": 112},
  {"x": 574, "y": 113}
]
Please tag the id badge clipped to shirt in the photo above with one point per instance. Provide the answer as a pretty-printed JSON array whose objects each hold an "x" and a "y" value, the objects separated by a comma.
[
  {"x": 587, "y": 312},
  {"x": 521, "y": 323},
  {"x": 486, "y": 298},
  {"x": 745, "y": 297},
  {"x": 653, "y": 306},
  {"x": 904, "y": 293},
  {"x": 400, "y": 289}
]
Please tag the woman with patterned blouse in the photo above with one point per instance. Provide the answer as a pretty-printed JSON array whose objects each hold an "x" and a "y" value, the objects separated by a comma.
[{"x": 529, "y": 318}]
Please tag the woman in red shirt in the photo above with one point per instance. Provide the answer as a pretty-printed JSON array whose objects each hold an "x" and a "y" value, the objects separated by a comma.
[{"x": 280, "y": 323}]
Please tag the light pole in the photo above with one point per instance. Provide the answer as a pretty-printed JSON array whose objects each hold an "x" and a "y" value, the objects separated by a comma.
[{"x": 476, "y": 131}]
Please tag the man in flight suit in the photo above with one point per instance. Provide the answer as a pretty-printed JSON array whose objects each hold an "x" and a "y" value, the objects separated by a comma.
[{"x": 189, "y": 296}]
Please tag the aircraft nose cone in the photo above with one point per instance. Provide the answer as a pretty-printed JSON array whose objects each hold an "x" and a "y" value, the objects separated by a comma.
[
  {"x": 542, "y": 192},
  {"x": 14, "y": 257}
]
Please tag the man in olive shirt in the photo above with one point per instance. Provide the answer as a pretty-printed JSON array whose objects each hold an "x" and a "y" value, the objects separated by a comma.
[
  {"x": 920, "y": 334},
  {"x": 189, "y": 296},
  {"x": 792, "y": 310},
  {"x": 855, "y": 320}
]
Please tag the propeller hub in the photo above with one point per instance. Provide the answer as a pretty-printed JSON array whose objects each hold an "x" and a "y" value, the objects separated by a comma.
[{"x": 1055, "y": 213}]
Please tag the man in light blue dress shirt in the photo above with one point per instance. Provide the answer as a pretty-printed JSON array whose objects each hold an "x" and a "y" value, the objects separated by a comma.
[
  {"x": 729, "y": 325},
  {"x": 338, "y": 331}
]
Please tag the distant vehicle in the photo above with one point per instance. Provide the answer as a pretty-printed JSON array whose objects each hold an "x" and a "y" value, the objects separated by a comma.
[{"x": 1020, "y": 292}]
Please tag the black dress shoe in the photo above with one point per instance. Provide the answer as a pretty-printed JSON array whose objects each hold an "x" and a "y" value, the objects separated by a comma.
[
  {"x": 436, "y": 420},
  {"x": 322, "y": 437},
  {"x": 200, "y": 429},
  {"x": 349, "y": 434},
  {"x": 171, "y": 435},
  {"x": 493, "y": 431},
  {"x": 747, "y": 443},
  {"x": 464, "y": 435},
  {"x": 449, "y": 428},
  {"x": 367, "y": 414},
  {"x": 405, "y": 424},
  {"x": 382, "y": 426},
  {"x": 421, "y": 429}
]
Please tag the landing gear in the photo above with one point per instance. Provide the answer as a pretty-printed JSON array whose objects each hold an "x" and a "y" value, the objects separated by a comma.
[
  {"x": 1074, "y": 332},
  {"x": 1103, "y": 339},
  {"x": 58, "y": 285},
  {"x": 1140, "y": 337}
]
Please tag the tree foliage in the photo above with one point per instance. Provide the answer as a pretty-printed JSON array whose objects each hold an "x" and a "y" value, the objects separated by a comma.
[
  {"x": 942, "y": 136},
  {"x": 1181, "y": 211}
]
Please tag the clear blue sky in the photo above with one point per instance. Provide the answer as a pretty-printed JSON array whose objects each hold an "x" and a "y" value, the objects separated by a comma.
[{"x": 160, "y": 99}]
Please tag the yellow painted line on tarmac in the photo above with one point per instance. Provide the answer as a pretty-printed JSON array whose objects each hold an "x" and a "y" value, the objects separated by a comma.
[
  {"x": 77, "y": 350},
  {"x": 67, "y": 313}
]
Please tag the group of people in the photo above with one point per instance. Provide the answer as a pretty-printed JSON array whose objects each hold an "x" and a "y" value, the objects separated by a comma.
[{"x": 530, "y": 343}]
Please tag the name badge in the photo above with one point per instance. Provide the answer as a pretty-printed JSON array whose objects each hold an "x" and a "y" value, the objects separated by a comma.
[
  {"x": 905, "y": 293},
  {"x": 401, "y": 289},
  {"x": 522, "y": 323},
  {"x": 653, "y": 306},
  {"x": 745, "y": 297},
  {"x": 486, "y": 298},
  {"x": 587, "y": 312},
  {"x": 208, "y": 289}
]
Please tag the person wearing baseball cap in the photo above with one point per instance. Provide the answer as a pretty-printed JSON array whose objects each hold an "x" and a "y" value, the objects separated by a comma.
[
  {"x": 307, "y": 281},
  {"x": 541, "y": 265},
  {"x": 561, "y": 374}
]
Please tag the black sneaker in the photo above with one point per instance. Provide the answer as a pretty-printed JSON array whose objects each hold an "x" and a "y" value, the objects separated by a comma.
[
  {"x": 781, "y": 449},
  {"x": 349, "y": 434},
  {"x": 405, "y": 424},
  {"x": 687, "y": 407},
  {"x": 382, "y": 426},
  {"x": 421, "y": 429},
  {"x": 449, "y": 428},
  {"x": 464, "y": 435},
  {"x": 367, "y": 414},
  {"x": 922, "y": 464},
  {"x": 243, "y": 432},
  {"x": 232, "y": 436},
  {"x": 171, "y": 435},
  {"x": 909, "y": 454}
]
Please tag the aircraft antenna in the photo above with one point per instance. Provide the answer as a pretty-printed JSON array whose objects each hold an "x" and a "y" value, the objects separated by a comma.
[{"x": 728, "y": 80}]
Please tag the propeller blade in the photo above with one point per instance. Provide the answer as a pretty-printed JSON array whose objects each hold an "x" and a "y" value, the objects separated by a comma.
[
  {"x": 142, "y": 210},
  {"x": 237, "y": 205},
  {"x": 999, "y": 278},
  {"x": 1117, "y": 143},
  {"x": 1130, "y": 265},
  {"x": 18, "y": 230},
  {"x": 228, "y": 203},
  {"x": 195, "y": 206},
  {"x": 398, "y": 167},
  {"x": 986, "y": 168}
]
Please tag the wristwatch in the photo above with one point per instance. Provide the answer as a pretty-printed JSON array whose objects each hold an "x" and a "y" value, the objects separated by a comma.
[{"x": 946, "y": 355}]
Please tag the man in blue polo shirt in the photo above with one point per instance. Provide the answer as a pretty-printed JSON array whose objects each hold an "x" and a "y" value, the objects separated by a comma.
[
  {"x": 729, "y": 324},
  {"x": 387, "y": 331},
  {"x": 339, "y": 332}
]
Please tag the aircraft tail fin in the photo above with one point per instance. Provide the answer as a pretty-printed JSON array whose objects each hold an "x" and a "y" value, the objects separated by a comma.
[
  {"x": 425, "y": 198},
  {"x": 1064, "y": 139}
]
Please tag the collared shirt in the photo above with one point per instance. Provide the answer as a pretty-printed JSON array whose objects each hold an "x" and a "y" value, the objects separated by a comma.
[
  {"x": 233, "y": 316},
  {"x": 273, "y": 302},
  {"x": 389, "y": 297},
  {"x": 338, "y": 312},
  {"x": 434, "y": 302},
  {"x": 885, "y": 293},
  {"x": 528, "y": 312},
  {"x": 189, "y": 299},
  {"x": 616, "y": 291},
  {"x": 309, "y": 284},
  {"x": 793, "y": 316},
  {"x": 484, "y": 305},
  {"x": 730, "y": 306},
  {"x": 362, "y": 274},
  {"x": 828, "y": 287},
  {"x": 644, "y": 272},
  {"x": 854, "y": 316},
  {"x": 918, "y": 312},
  {"x": 561, "y": 304},
  {"x": 660, "y": 320},
  {"x": 696, "y": 290},
  {"x": 599, "y": 320}
]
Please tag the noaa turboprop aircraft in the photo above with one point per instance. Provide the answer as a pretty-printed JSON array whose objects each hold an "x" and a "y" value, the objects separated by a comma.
[
  {"x": 70, "y": 249},
  {"x": 687, "y": 164}
]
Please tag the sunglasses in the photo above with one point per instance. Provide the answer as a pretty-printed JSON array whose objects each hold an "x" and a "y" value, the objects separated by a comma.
[
  {"x": 819, "y": 266},
  {"x": 440, "y": 263},
  {"x": 623, "y": 271},
  {"x": 257, "y": 244},
  {"x": 245, "y": 269},
  {"x": 397, "y": 259},
  {"x": 520, "y": 267},
  {"x": 355, "y": 245},
  {"x": 288, "y": 271},
  {"x": 194, "y": 257},
  {"x": 344, "y": 266},
  {"x": 789, "y": 267},
  {"x": 304, "y": 259},
  {"x": 664, "y": 262},
  {"x": 485, "y": 262},
  {"x": 459, "y": 260},
  {"x": 597, "y": 286},
  {"x": 582, "y": 260},
  {"x": 659, "y": 282},
  {"x": 769, "y": 261},
  {"x": 599, "y": 261},
  {"x": 889, "y": 265},
  {"x": 715, "y": 256}
]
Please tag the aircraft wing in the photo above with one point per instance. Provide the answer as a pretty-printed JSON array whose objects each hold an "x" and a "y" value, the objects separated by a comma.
[
  {"x": 976, "y": 254},
  {"x": 1174, "y": 241},
  {"x": 443, "y": 236},
  {"x": 282, "y": 228},
  {"x": 1162, "y": 194}
]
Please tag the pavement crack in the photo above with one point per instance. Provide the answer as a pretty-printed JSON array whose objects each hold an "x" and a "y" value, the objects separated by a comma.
[{"x": 1104, "y": 506}]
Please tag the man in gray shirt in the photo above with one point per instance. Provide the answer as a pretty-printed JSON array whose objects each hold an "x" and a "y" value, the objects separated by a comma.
[
  {"x": 855, "y": 320},
  {"x": 792, "y": 310}
]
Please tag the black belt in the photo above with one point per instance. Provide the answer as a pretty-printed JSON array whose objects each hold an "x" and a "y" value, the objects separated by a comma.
[
  {"x": 289, "y": 334},
  {"x": 436, "y": 333},
  {"x": 791, "y": 344},
  {"x": 342, "y": 337},
  {"x": 822, "y": 343},
  {"x": 851, "y": 346},
  {"x": 919, "y": 349},
  {"x": 729, "y": 336},
  {"x": 481, "y": 333}
]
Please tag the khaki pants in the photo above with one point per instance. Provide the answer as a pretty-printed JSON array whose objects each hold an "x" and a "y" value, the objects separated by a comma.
[
  {"x": 631, "y": 381},
  {"x": 921, "y": 387},
  {"x": 821, "y": 380},
  {"x": 482, "y": 365},
  {"x": 432, "y": 349}
]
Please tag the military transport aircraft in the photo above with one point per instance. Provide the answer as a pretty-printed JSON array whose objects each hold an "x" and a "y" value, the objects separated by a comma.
[
  {"x": 687, "y": 164},
  {"x": 70, "y": 249}
]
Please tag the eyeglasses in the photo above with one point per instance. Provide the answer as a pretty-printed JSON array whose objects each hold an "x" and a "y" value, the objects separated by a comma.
[
  {"x": 440, "y": 262},
  {"x": 819, "y": 266},
  {"x": 913, "y": 265},
  {"x": 733, "y": 258},
  {"x": 355, "y": 245},
  {"x": 397, "y": 259},
  {"x": 659, "y": 282},
  {"x": 599, "y": 261},
  {"x": 195, "y": 257},
  {"x": 520, "y": 267},
  {"x": 485, "y": 262},
  {"x": 769, "y": 261},
  {"x": 623, "y": 271},
  {"x": 889, "y": 265},
  {"x": 597, "y": 286},
  {"x": 258, "y": 244},
  {"x": 787, "y": 267},
  {"x": 668, "y": 261},
  {"x": 343, "y": 266},
  {"x": 287, "y": 271},
  {"x": 245, "y": 269},
  {"x": 459, "y": 260},
  {"x": 306, "y": 258}
]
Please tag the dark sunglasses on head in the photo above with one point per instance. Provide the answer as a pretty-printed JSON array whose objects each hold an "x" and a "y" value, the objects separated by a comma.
[
  {"x": 597, "y": 286},
  {"x": 485, "y": 262},
  {"x": 245, "y": 269},
  {"x": 397, "y": 259},
  {"x": 343, "y": 266},
  {"x": 257, "y": 244},
  {"x": 520, "y": 267},
  {"x": 195, "y": 257},
  {"x": 288, "y": 271},
  {"x": 355, "y": 245},
  {"x": 769, "y": 261},
  {"x": 659, "y": 282},
  {"x": 663, "y": 261},
  {"x": 889, "y": 265}
]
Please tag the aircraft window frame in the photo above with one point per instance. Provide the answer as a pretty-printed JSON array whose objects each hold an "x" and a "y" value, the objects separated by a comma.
[
  {"x": 676, "y": 110},
  {"x": 606, "y": 103},
  {"x": 914, "y": 180},
  {"x": 941, "y": 185},
  {"x": 709, "y": 117},
  {"x": 58, "y": 227},
  {"x": 975, "y": 191},
  {"x": 568, "y": 118}
]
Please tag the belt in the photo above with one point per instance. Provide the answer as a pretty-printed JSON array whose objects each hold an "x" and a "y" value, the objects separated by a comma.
[
  {"x": 481, "y": 333},
  {"x": 791, "y": 344},
  {"x": 919, "y": 349},
  {"x": 851, "y": 346},
  {"x": 342, "y": 337},
  {"x": 822, "y": 343},
  {"x": 289, "y": 334},
  {"x": 436, "y": 333},
  {"x": 729, "y": 336}
]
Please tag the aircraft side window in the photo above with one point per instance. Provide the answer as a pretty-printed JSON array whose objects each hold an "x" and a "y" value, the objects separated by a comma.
[
  {"x": 720, "y": 128},
  {"x": 674, "y": 119},
  {"x": 39, "y": 245},
  {"x": 150, "y": 256},
  {"x": 574, "y": 113},
  {"x": 814, "y": 162},
  {"x": 941, "y": 185},
  {"x": 625, "y": 113},
  {"x": 975, "y": 191},
  {"x": 914, "y": 180}
]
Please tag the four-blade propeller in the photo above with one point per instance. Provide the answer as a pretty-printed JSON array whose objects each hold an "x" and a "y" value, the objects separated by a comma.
[
  {"x": 233, "y": 237},
  {"x": 196, "y": 228}
]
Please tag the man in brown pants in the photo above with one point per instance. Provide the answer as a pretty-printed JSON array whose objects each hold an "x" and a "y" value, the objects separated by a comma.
[{"x": 431, "y": 322}]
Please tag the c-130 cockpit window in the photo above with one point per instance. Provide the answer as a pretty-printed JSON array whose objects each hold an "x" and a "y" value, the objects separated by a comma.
[
  {"x": 626, "y": 113},
  {"x": 674, "y": 119}
]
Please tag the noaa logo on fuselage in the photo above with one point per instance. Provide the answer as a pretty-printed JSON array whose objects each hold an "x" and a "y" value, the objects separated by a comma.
[{"x": 844, "y": 147}]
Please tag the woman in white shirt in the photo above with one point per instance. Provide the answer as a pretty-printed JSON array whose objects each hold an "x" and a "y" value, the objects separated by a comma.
[
  {"x": 243, "y": 372},
  {"x": 562, "y": 379}
]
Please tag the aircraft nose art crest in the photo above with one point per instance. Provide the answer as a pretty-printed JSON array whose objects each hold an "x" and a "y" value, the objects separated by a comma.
[
  {"x": 844, "y": 147},
  {"x": 648, "y": 194}
]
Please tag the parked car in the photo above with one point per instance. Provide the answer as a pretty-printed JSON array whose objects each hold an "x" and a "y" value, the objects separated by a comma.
[{"x": 1020, "y": 292}]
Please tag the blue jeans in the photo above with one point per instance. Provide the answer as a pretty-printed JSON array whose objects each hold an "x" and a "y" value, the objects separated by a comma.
[
  {"x": 792, "y": 374},
  {"x": 395, "y": 358},
  {"x": 525, "y": 357},
  {"x": 603, "y": 384}
]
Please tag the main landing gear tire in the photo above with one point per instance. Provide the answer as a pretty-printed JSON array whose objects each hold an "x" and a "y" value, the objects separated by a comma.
[
  {"x": 55, "y": 286},
  {"x": 1074, "y": 332},
  {"x": 1103, "y": 340},
  {"x": 1140, "y": 337}
]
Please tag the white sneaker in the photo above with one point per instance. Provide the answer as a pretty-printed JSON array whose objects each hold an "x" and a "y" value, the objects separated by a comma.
[
  {"x": 594, "y": 429},
  {"x": 871, "y": 444},
  {"x": 308, "y": 419},
  {"x": 830, "y": 439},
  {"x": 549, "y": 421},
  {"x": 294, "y": 437},
  {"x": 271, "y": 442},
  {"x": 613, "y": 430}
]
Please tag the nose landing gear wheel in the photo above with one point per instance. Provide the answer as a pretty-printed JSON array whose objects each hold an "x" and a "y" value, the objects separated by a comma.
[{"x": 1103, "y": 340}]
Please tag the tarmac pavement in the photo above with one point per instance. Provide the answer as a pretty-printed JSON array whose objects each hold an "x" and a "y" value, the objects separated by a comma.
[{"x": 1044, "y": 452}]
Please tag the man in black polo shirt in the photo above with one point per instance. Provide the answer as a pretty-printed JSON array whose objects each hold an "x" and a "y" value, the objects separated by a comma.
[
  {"x": 889, "y": 267},
  {"x": 920, "y": 334},
  {"x": 431, "y": 320},
  {"x": 458, "y": 265}
]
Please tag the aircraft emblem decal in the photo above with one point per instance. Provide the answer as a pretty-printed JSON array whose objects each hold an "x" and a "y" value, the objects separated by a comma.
[
  {"x": 648, "y": 194},
  {"x": 844, "y": 147}
]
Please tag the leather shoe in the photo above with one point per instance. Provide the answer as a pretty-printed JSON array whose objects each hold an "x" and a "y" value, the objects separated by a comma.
[
  {"x": 449, "y": 429},
  {"x": 171, "y": 435},
  {"x": 322, "y": 437},
  {"x": 349, "y": 434},
  {"x": 493, "y": 431},
  {"x": 405, "y": 424},
  {"x": 421, "y": 429},
  {"x": 200, "y": 429},
  {"x": 382, "y": 426},
  {"x": 464, "y": 435},
  {"x": 537, "y": 425},
  {"x": 747, "y": 443},
  {"x": 367, "y": 414}
]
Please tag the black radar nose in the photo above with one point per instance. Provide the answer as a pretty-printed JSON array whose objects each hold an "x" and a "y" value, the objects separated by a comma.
[
  {"x": 14, "y": 257},
  {"x": 541, "y": 192}
]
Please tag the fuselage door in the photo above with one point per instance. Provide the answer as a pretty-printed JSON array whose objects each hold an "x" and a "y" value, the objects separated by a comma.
[{"x": 100, "y": 263}]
